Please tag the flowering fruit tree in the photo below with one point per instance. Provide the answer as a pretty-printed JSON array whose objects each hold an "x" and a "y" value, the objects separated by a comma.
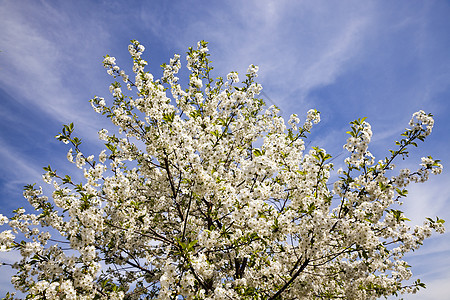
[{"x": 204, "y": 193}]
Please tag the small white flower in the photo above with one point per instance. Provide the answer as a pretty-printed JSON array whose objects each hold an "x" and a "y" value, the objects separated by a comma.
[
  {"x": 102, "y": 156},
  {"x": 3, "y": 219},
  {"x": 103, "y": 134},
  {"x": 196, "y": 82},
  {"x": 252, "y": 69},
  {"x": 233, "y": 76},
  {"x": 109, "y": 61}
]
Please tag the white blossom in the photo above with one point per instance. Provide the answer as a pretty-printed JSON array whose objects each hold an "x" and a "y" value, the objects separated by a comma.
[{"x": 207, "y": 194}]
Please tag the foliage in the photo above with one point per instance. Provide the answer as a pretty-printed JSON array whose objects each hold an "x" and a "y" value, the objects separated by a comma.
[{"x": 182, "y": 202}]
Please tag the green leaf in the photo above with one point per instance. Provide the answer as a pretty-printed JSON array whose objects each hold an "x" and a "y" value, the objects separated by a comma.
[
  {"x": 191, "y": 245},
  {"x": 402, "y": 193},
  {"x": 440, "y": 221},
  {"x": 257, "y": 152},
  {"x": 169, "y": 117}
]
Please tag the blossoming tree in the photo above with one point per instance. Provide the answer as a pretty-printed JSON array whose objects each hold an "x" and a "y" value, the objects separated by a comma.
[{"x": 206, "y": 194}]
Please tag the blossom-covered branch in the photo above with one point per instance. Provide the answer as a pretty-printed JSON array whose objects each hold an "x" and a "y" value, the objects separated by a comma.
[{"x": 206, "y": 193}]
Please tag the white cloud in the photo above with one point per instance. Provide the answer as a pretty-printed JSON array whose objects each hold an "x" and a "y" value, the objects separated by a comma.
[
  {"x": 298, "y": 46},
  {"x": 436, "y": 289},
  {"x": 331, "y": 60},
  {"x": 43, "y": 53},
  {"x": 16, "y": 165},
  {"x": 428, "y": 199}
]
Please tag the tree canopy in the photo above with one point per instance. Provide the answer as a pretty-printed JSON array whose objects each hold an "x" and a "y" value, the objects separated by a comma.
[{"x": 206, "y": 193}]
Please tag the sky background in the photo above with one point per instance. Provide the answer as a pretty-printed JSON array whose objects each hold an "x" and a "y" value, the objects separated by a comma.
[{"x": 382, "y": 60}]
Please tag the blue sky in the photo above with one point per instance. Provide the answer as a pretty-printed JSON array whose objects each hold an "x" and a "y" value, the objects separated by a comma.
[{"x": 378, "y": 59}]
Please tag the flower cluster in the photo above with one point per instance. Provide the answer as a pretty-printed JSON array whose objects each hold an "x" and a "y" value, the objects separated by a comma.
[
  {"x": 207, "y": 194},
  {"x": 419, "y": 120},
  {"x": 358, "y": 143}
]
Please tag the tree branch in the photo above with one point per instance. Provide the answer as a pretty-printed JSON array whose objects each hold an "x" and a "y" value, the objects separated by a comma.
[{"x": 284, "y": 287}]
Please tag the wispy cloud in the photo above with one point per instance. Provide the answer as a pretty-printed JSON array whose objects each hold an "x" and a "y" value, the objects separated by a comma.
[
  {"x": 17, "y": 166},
  {"x": 298, "y": 46},
  {"x": 43, "y": 53},
  {"x": 436, "y": 289},
  {"x": 428, "y": 199},
  {"x": 331, "y": 60}
]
